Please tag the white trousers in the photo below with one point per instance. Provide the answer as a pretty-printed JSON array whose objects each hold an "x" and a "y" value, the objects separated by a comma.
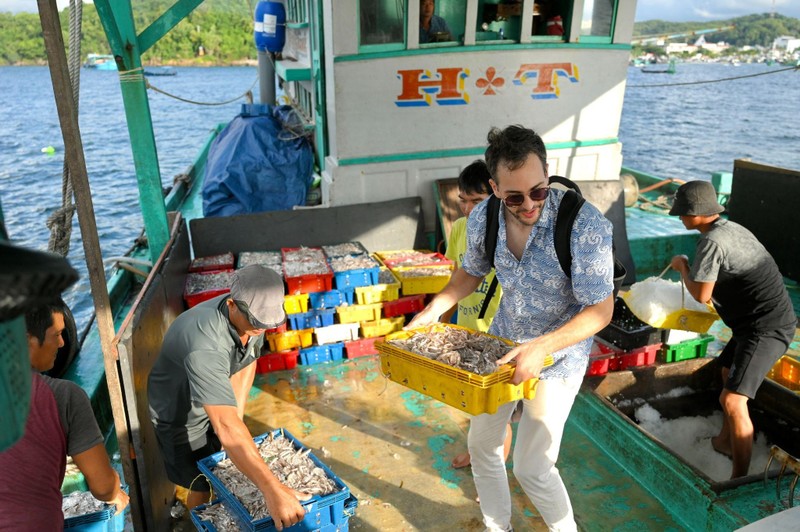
[{"x": 535, "y": 454}]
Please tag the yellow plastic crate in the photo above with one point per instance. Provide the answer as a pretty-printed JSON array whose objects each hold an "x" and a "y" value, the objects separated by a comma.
[
  {"x": 464, "y": 390},
  {"x": 359, "y": 313},
  {"x": 295, "y": 303},
  {"x": 422, "y": 285},
  {"x": 382, "y": 327},
  {"x": 683, "y": 319},
  {"x": 378, "y": 293},
  {"x": 290, "y": 340},
  {"x": 786, "y": 372}
]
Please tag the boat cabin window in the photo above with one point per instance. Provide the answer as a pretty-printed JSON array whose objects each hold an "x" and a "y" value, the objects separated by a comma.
[
  {"x": 597, "y": 22},
  {"x": 441, "y": 22},
  {"x": 499, "y": 22},
  {"x": 382, "y": 24},
  {"x": 551, "y": 20}
]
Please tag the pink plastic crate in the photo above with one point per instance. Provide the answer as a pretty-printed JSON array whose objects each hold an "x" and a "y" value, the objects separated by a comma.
[{"x": 362, "y": 348}]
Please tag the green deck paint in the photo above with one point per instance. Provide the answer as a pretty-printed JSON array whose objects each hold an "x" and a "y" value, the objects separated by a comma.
[
  {"x": 415, "y": 403},
  {"x": 441, "y": 460}
]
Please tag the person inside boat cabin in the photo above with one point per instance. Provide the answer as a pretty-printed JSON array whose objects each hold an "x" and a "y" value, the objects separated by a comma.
[
  {"x": 543, "y": 310},
  {"x": 734, "y": 271},
  {"x": 432, "y": 28},
  {"x": 199, "y": 384},
  {"x": 473, "y": 187},
  {"x": 60, "y": 423}
]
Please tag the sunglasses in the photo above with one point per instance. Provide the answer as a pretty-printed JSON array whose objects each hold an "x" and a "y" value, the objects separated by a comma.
[{"x": 517, "y": 199}]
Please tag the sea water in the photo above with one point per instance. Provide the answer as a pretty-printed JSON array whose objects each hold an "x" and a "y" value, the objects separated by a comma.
[{"x": 683, "y": 131}]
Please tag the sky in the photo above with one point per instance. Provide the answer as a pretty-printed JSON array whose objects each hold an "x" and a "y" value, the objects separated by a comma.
[{"x": 672, "y": 10}]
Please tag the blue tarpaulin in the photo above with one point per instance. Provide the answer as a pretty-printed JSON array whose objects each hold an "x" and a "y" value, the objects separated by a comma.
[{"x": 258, "y": 163}]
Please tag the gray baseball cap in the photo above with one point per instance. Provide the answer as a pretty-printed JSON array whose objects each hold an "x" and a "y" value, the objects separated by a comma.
[
  {"x": 261, "y": 291},
  {"x": 696, "y": 198}
]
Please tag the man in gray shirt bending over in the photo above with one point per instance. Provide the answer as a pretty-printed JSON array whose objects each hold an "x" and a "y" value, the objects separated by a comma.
[
  {"x": 199, "y": 384},
  {"x": 737, "y": 274}
]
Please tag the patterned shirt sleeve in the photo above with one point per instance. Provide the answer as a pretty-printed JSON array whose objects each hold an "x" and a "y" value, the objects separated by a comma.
[{"x": 591, "y": 245}]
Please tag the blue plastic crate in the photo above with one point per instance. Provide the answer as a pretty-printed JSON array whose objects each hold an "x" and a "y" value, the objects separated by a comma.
[
  {"x": 311, "y": 319},
  {"x": 321, "y": 511},
  {"x": 199, "y": 524},
  {"x": 100, "y": 521},
  {"x": 322, "y": 353},
  {"x": 332, "y": 298},
  {"x": 354, "y": 278}
]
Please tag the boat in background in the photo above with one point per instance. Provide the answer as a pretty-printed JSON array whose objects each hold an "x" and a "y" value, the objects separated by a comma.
[
  {"x": 356, "y": 71},
  {"x": 669, "y": 70},
  {"x": 100, "y": 62},
  {"x": 160, "y": 71}
]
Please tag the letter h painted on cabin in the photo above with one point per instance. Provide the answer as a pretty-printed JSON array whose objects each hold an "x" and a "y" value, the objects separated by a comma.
[
  {"x": 546, "y": 75},
  {"x": 421, "y": 88}
]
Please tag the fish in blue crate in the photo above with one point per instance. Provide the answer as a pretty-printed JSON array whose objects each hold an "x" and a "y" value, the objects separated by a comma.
[
  {"x": 294, "y": 466},
  {"x": 84, "y": 513}
]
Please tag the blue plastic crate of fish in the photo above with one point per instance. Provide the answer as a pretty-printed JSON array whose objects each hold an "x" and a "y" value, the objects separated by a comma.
[
  {"x": 354, "y": 278},
  {"x": 338, "y": 523},
  {"x": 331, "y": 298},
  {"x": 321, "y": 317},
  {"x": 325, "y": 513},
  {"x": 204, "y": 525},
  {"x": 318, "y": 354},
  {"x": 100, "y": 521}
]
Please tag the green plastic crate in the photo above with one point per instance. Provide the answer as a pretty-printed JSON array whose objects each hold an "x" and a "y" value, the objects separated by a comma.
[{"x": 686, "y": 350}]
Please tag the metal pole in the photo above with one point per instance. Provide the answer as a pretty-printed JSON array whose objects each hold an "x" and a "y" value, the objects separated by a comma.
[
  {"x": 266, "y": 77},
  {"x": 68, "y": 117}
]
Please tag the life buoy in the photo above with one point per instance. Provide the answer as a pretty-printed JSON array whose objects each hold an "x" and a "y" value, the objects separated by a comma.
[{"x": 66, "y": 354}]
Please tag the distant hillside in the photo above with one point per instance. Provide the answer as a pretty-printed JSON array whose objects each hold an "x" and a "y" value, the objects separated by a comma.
[
  {"x": 222, "y": 29},
  {"x": 753, "y": 30}
]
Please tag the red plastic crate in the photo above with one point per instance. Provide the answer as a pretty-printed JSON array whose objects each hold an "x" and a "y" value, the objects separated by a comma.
[
  {"x": 277, "y": 361},
  {"x": 222, "y": 262},
  {"x": 404, "y": 305},
  {"x": 641, "y": 356},
  {"x": 220, "y": 280},
  {"x": 362, "y": 348},
  {"x": 600, "y": 359}
]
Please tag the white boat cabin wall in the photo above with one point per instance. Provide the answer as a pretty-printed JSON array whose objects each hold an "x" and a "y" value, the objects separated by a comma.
[{"x": 392, "y": 115}]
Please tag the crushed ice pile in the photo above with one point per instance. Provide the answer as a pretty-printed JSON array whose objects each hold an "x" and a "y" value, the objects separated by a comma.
[{"x": 653, "y": 299}]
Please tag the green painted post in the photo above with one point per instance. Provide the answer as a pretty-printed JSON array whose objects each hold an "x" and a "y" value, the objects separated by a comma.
[{"x": 117, "y": 20}]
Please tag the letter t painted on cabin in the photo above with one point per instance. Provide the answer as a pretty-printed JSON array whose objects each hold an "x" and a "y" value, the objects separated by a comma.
[
  {"x": 420, "y": 87},
  {"x": 546, "y": 75}
]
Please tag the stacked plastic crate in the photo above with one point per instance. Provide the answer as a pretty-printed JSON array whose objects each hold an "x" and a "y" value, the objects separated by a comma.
[
  {"x": 208, "y": 277},
  {"x": 282, "y": 347},
  {"x": 625, "y": 343}
]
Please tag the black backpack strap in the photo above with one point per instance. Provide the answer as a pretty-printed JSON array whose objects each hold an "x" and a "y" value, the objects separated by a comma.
[
  {"x": 492, "y": 227},
  {"x": 490, "y": 246},
  {"x": 489, "y": 295},
  {"x": 571, "y": 203}
]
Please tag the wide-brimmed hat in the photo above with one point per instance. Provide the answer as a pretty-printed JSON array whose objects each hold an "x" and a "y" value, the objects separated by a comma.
[
  {"x": 696, "y": 198},
  {"x": 261, "y": 290}
]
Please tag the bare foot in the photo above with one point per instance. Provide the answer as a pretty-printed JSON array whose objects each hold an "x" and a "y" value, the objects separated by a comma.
[
  {"x": 460, "y": 461},
  {"x": 721, "y": 446}
]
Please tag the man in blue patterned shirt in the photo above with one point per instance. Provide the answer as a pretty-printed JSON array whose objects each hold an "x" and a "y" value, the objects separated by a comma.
[{"x": 543, "y": 310}]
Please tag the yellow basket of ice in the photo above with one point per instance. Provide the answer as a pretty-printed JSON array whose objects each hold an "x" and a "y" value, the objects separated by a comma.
[{"x": 668, "y": 305}]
